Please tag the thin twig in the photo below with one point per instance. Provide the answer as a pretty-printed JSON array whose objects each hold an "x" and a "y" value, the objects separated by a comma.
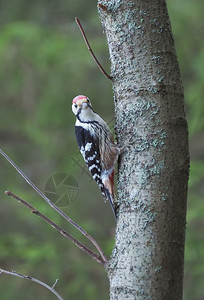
[
  {"x": 13, "y": 273},
  {"x": 90, "y": 50},
  {"x": 57, "y": 209},
  {"x": 58, "y": 228},
  {"x": 56, "y": 281}
]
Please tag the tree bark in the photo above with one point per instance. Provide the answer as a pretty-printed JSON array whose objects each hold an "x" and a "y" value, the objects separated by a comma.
[{"x": 147, "y": 261}]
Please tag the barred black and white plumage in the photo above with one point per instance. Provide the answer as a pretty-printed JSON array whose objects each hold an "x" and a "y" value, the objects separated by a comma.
[{"x": 96, "y": 145}]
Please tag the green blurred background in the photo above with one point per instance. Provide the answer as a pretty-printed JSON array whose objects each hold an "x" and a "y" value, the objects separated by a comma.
[{"x": 43, "y": 64}]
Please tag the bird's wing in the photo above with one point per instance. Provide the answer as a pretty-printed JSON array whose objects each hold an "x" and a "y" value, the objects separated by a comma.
[{"x": 89, "y": 148}]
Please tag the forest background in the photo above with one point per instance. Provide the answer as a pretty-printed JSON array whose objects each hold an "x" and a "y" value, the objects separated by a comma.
[{"x": 44, "y": 64}]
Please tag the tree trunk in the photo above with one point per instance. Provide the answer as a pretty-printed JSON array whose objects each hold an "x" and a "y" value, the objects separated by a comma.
[{"x": 147, "y": 261}]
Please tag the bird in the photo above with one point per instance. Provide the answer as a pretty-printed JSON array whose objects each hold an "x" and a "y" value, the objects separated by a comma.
[{"x": 97, "y": 146}]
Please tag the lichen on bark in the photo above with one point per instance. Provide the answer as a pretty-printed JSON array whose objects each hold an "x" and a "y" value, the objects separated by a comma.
[{"x": 147, "y": 261}]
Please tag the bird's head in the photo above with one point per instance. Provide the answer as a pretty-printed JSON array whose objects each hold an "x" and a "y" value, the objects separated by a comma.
[{"x": 81, "y": 105}]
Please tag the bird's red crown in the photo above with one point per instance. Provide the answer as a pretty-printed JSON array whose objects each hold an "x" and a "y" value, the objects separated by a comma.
[{"x": 77, "y": 98}]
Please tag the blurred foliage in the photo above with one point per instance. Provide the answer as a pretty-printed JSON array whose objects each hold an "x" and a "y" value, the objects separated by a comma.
[
  {"x": 44, "y": 64},
  {"x": 187, "y": 24}
]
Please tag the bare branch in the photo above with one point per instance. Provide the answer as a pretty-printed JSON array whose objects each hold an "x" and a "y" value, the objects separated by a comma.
[
  {"x": 90, "y": 50},
  {"x": 56, "y": 281},
  {"x": 13, "y": 273},
  {"x": 57, "y": 209},
  {"x": 95, "y": 256}
]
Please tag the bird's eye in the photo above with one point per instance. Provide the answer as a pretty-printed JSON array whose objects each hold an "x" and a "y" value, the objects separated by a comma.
[
  {"x": 88, "y": 100},
  {"x": 75, "y": 105}
]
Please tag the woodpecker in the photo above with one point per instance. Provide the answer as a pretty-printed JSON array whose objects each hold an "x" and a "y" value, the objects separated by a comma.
[{"x": 97, "y": 146}]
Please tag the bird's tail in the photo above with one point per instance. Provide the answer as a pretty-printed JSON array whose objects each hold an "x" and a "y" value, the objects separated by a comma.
[{"x": 111, "y": 201}]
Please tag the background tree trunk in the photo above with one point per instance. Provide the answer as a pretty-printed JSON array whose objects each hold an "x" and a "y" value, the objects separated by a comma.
[{"x": 147, "y": 261}]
